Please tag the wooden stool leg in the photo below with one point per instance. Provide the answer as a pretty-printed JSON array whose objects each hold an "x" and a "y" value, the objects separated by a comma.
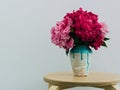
[
  {"x": 113, "y": 87},
  {"x": 52, "y": 87}
]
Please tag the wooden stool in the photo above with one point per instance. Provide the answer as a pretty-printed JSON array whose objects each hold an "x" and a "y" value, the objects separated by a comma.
[{"x": 64, "y": 80}]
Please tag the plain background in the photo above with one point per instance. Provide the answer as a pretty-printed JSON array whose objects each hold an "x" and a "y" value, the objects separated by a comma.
[{"x": 26, "y": 51}]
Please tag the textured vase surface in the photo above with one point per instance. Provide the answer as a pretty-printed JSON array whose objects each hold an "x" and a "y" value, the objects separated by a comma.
[{"x": 80, "y": 60}]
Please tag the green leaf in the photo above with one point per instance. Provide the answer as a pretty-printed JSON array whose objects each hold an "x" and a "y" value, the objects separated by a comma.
[
  {"x": 76, "y": 40},
  {"x": 105, "y": 39},
  {"x": 67, "y": 51},
  {"x": 104, "y": 44}
]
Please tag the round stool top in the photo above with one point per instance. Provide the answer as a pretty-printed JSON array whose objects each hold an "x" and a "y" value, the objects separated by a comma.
[{"x": 93, "y": 79}]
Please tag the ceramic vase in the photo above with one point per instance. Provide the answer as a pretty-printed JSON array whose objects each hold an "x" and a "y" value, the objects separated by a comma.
[{"x": 80, "y": 60}]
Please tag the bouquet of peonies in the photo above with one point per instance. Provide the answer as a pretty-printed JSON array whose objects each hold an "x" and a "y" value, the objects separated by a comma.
[{"x": 79, "y": 28}]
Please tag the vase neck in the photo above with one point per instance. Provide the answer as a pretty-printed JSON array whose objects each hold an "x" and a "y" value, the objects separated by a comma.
[{"x": 81, "y": 49}]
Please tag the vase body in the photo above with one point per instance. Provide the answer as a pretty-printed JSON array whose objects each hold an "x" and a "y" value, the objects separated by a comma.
[{"x": 80, "y": 60}]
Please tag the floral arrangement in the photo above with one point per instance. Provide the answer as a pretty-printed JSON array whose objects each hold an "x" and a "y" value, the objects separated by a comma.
[{"x": 79, "y": 28}]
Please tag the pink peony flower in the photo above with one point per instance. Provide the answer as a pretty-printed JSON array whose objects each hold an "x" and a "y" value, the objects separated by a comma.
[
  {"x": 60, "y": 34},
  {"x": 104, "y": 29}
]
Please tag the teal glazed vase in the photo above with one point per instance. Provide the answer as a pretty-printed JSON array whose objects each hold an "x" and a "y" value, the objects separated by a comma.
[{"x": 80, "y": 60}]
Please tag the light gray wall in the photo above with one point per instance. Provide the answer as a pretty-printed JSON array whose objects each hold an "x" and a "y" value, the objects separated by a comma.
[{"x": 26, "y": 51}]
